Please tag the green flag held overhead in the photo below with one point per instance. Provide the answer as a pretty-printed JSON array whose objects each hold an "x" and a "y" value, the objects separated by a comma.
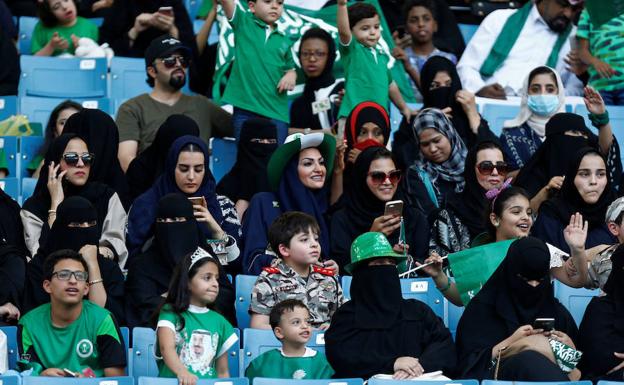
[
  {"x": 473, "y": 267},
  {"x": 601, "y": 11}
]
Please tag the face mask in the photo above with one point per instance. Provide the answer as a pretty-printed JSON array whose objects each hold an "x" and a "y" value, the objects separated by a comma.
[
  {"x": 440, "y": 97},
  {"x": 543, "y": 105},
  {"x": 363, "y": 145}
]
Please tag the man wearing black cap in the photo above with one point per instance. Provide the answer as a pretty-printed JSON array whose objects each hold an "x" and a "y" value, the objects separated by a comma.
[{"x": 138, "y": 119}]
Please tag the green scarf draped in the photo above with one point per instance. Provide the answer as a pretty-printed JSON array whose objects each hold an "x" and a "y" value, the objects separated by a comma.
[{"x": 507, "y": 38}]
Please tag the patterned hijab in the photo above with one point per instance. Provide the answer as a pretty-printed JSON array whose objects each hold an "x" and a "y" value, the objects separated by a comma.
[{"x": 452, "y": 169}]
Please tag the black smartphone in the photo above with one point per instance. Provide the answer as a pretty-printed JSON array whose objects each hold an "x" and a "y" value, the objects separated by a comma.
[
  {"x": 400, "y": 31},
  {"x": 546, "y": 324}
]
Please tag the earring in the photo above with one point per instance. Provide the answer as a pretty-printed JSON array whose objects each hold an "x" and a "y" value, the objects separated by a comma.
[{"x": 496, "y": 223}]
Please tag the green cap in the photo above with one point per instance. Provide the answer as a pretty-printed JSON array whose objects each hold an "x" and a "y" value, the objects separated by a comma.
[{"x": 370, "y": 246}]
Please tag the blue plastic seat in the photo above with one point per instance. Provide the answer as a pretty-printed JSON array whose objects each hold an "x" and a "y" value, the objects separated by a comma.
[
  {"x": 258, "y": 341},
  {"x": 38, "y": 109},
  {"x": 10, "y": 380},
  {"x": 174, "y": 381},
  {"x": 192, "y": 7},
  {"x": 9, "y": 146},
  {"x": 29, "y": 148},
  {"x": 11, "y": 187},
  {"x": 213, "y": 36},
  {"x": 54, "y": 77},
  {"x": 468, "y": 31},
  {"x": 28, "y": 188},
  {"x": 610, "y": 383},
  {"x": 38, "y": 380},
  {"x": 575, "y": 300},
  {"x": 396, "y": 117},
  {"x": 616, "y": 117},
  {"x": 345, "y": 283},
  {"x": 492, "y": 382},
  {"x": 26, "y": 28},
  {"x": 244, "y": 284},
  {"x": 8, "y": 106},
  {"x": 13, "y": 353},
  {"x": 453, "y": 314},
  {"x": 374, "y": 381},
  {"x": 496, "y": 114},
  {"x": 281, "y": 381},
  {"x": 223, "y": 156}
]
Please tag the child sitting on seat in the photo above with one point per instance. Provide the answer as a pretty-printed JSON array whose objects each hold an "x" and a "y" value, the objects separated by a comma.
[{"x": 291, "y": 324}]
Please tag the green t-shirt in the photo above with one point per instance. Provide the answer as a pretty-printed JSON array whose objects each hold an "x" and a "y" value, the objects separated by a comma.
[
  {"x": 42, "y": 35},
  {"x": 206, "y": 336},
  {"x": 367, "y": 76},
  {"x": 311, "y": 366},
  {"x": 262, "y": 58},
  {"x": 606, "y": 43},
  {"x": 4, "y": 162},
  {"x": 91, "y": 341}
]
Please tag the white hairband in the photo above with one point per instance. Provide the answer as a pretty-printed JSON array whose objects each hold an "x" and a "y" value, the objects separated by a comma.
[{"x": 197, "y": 255}]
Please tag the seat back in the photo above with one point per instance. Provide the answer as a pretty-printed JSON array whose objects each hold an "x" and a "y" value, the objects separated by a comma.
[
  {"x": 174, "y": 381},
  {"x": 12, "y": 349},
  {"x": 39, "y": 380},
  {"x": 11, "y": 187},
  {"x": 374, "y": 381},
  {"x": 496, "y": 114},
  {"x": 8, "y": 106},
  {"x": 616, "y": 118},
  {"x": 281, "y": 381},
  {"x": 38, "y": 109},
  {"x": 493, "y": 382},
  {"x": 28, "y": 187},
  {"x": 575, "y": 300},
  {"x": 244, "y": 284},
  {"x": 29, "y": 148},
  {"x": 26, "y": 28},
  {"x": 468, "y": 31},
  {"x": 223, "y": 156},
  {"x": 8, "y": 145}
]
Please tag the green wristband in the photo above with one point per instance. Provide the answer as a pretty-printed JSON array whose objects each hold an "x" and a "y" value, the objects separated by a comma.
[{"x": 599, "y": 120}]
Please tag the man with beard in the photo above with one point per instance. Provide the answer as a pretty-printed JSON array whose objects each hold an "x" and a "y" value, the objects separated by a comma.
[
  {"x": 138, "y": 119},
  {"x": 510, "y": 43}
]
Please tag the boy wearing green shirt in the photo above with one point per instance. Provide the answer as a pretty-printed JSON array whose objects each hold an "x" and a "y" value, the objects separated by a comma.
[
  {"x": 264, "y": 68},
  {"x": 70, "y": 336},
  {"x": 290, "y": 321},
  {"x": 367, "y": 76}
]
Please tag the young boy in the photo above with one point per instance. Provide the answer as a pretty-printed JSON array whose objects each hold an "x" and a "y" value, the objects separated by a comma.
[
  {"x": 366, "y": 67},
  {"x": 421, "y": 24},
  {"x": 290, "y": 321},
  {"x": 602, "y": 49},
  {"x": 296, "y": 273},
  {"x": 264, "y": 68}
]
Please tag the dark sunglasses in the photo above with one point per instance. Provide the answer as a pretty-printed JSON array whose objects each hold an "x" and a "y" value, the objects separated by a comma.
[
  {"x": 170, "y": 62},
  {"x": 71, "y": 158},
  {"x": 378, "y": 177},
  {"x": 487, "y": 167}
]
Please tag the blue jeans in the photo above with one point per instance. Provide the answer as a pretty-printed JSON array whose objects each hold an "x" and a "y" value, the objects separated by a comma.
[
  {"x": 240, "y": 116},
  {"x": 613, "y": 98}
]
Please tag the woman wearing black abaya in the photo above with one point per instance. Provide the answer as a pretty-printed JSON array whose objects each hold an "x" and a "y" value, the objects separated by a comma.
[
  {"x": 76, "y": 227},
  {"x": 100, "y": 133},
  {"x": 149, "y": 273},
  {"x": 149, "y": 164},
  {"x": 501, "y": 314},
  {"x": 379, "y": 332},
  {"x": 258, "y": 141}
]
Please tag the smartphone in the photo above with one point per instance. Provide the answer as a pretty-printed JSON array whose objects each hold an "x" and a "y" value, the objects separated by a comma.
[
  {"x": 69, "y": 373},
  {"x": 198, "y": 201},
  {"x": 546, "y": 324},
  {"x": 394, "y": 208},
  {"x": 166, "y": 11},
  {"x": 400, "y": 31}
]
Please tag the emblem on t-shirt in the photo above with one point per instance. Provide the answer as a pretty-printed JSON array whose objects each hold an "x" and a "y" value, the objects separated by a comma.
[
  {"x": 299, "y": 374},
  {"x": 200, "y": 351},
  {"x": 84, "y": 348}
]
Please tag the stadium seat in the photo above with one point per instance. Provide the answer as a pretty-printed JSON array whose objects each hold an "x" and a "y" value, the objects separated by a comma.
[
  {"x": 38, "y": 109},
  {"x": 9, "y": 146},
  {"x": 223, "y": 156},
  {"x": 609, "y": 383},
  {"x": 282, "y": 381},
  {"x": 453, "y": 314},
  {"x": 616, "y": 117},
  {"x": 11, "y": 187},
  {"x": 125, "y": 334},
  {"x": 39, "y": 380},
  {"x": 467, "y": 31},
  {"x": 345, "y": 283},
  {"x": 174, "y": 381},
  {"x": 192, "y": 7},
  {"x": 10, "y": 380},
  {"x": 26, "y": 28},
  {"x": 244, "y": 284},
  {"x": 422, "y": 289},
  {"x": 28, "y": 188},
  {"x": 396, "y": 117},
  {"x": 213, "y": 36},
  {"x": 13, "y": 353},
  {"x": 29, "y": 148},
  {"x": 374, "y": 381},
  {"x": 258, "y": 341},
  {"x": 493, "y": 382},
  {"x": 496, "y": 114},
  {"x": 575, "y": 300},
  {"x": 8, "y": 106},
  {"x": 63, "y": 78},
  {"x": 144, "y": 358}
]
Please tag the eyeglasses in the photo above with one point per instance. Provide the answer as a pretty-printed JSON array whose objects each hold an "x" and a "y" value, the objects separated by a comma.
[
  {"x": 379, "y": 177},
  {"x": 316, "y": 54},
  {"x": 487, "y": 168},
  {"x": 170, "y": 62},
  {"x": 71, "y": 158},
  {"x": 65, "y": 275}
]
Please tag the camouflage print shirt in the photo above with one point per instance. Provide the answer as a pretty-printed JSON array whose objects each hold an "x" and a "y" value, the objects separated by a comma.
[{"x": 321, "y": 292}]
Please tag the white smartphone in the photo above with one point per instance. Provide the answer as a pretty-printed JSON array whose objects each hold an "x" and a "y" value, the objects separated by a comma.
[
  {"x": 166, "y": 11},
  {"x": 394, "y": 208}
]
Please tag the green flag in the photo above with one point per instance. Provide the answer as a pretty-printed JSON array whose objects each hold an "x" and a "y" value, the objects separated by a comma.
[
  {"x": 473, "y": 267},
  {"x": 601, "y": 11},
  {"x": 294, "y": 22}
]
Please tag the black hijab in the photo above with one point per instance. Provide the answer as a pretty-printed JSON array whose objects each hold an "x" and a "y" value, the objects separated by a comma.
[
  {"x": 100, "y": 133},
  {"x": 74, "y": 209},
  {"x": 326, "y": 78},
  {"x": 174, "y": 240},
  {"x": 553, "y": 157},
  {"x": 13, "y": 251},
  {"x": 148, "y": 165},
  {"x": 569, "y": 201},
  {"x": 366, "y": 112},
  {"x": 248, "y": 176},
  {"x": 376, "y": 296}
]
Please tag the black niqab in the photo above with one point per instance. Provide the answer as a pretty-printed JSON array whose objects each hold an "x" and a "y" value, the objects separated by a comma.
[{"x": 175, "y": 239}]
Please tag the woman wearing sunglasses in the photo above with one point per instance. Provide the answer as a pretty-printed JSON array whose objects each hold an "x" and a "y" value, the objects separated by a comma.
[
  {"x": 374, "y": 182},
  {"x": 67, "y": 173}
]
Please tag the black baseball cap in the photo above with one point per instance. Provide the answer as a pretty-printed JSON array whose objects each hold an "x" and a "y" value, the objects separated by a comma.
[{"x": 164, "y": 46}]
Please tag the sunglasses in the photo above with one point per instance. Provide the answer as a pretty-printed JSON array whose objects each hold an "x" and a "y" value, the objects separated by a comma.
[
  {"x": 378, "y": 177},
  {"x": 170, "y": 62},
  {"x": 65, "y": 275},
  {"x": 487, "y": 168},
  {"x": 71, "y": 158}
]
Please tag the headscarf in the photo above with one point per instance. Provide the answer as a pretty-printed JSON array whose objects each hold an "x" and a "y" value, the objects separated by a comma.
[
  {"x": 248, "y": 176},
  {"x": 149, "y": 164},
  {"x": 73, "y": 209},
  {"x": 614, "y": 287},
  {"x": 326, "y": 78},
  {"x": 535, "y": 122},
  {"x": 11, "y": 231},
  {"x": 570, "y": 201},
  {"x": 376, "y": 295},
  {"x": 452, "y": 169},
  {"x": 553, "y": 157},
  {"x": 174, "y": 240},
  {"x": 100, "y": 133},
  {"x": 366, "y": 112}
]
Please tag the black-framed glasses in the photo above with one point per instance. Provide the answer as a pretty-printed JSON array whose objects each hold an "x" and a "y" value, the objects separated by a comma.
[
  {"x": 170, "y": 62},
  {"x": 378, "y": 177},
  {"x": 65, "y": 275},
  {"x": 310, "y": 54},
  {"x": 487, "y": 168},
  {"x": 71, "y": 158}
]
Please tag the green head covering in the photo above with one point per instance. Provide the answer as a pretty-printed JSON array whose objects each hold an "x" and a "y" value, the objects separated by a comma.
[{"x": 370, "y": 246}]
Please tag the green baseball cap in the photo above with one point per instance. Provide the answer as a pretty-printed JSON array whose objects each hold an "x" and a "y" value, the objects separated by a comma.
[
  {"x": 294, "y": 143},
  {"x": 370, "y": 246}
]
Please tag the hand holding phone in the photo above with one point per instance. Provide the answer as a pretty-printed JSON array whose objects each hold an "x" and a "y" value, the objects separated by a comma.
[
  {"x": 168, "y": 11},
  {"x": 546, "y": 324},
  {"x": 201, "y": 201},
  {"x": 394, "y": 208}
]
